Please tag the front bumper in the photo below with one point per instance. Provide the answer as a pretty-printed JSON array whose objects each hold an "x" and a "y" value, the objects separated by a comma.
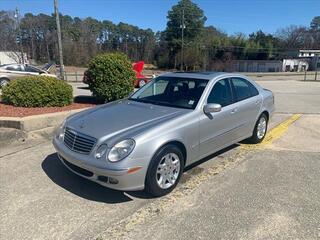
[{"x": 84, "y": 166}]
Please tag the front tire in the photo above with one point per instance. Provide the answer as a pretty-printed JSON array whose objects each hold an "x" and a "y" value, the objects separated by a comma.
[
  {"x": 164, "y": 171},
  {"x": 260, "y": 129},
  {"x": 3, "y": 82}
]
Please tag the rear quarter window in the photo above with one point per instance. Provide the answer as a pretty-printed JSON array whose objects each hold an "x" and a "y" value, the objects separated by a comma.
[{"x": 254, "y": 90}]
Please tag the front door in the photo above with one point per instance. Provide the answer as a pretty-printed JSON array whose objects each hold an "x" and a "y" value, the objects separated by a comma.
[
  {"x": 218, "y": 129},
  {"x": 14, "y": 71}
]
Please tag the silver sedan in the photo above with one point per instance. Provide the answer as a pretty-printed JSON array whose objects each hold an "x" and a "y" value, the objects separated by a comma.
[
  {"x": 12, "y": 71},
  {"x": 146, "y": 140}
]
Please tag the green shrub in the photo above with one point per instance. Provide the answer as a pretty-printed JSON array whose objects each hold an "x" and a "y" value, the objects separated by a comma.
[
  {"x": 37, "y": 91},
  {"x": 110, "y": 76}
]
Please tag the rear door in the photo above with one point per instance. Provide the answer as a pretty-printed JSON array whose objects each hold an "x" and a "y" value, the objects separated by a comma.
[
  {"x": 29, "y": 70},
  {"x": 247, "y": 105}
]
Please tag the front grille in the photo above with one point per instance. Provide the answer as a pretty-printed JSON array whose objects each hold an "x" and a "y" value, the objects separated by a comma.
[{"x": 78, "y": 142}]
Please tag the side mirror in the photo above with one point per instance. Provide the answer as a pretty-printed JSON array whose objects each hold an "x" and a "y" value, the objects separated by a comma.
[{"x": 211, "y": 107}]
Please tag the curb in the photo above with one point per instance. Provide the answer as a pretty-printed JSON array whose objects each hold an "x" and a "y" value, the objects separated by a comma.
[
  {"x": 8, "y": 135},
  {"x": 36, "y": 122}
]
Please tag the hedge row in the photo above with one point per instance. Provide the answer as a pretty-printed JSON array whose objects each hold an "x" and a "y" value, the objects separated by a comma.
[
  {"x": 37, "y": 91},
  {"x": 110, "y": 76}
]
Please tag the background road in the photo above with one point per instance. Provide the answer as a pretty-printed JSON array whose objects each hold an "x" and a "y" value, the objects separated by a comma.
[
  {"x": 244, "y": 192},
  {"x": 292, "y": 96}
]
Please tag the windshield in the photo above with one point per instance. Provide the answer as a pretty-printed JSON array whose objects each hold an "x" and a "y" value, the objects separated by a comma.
[
  {"x": 172, "y": 91},
  {"x": 47, "y": 66}
]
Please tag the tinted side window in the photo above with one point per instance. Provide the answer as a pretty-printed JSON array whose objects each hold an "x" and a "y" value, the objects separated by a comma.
[
  {"x": 243, "y": 89},
  {"x": 253, "y": 89},
  {"x": 14, "y": 68},
  {"x": 31, "y": 69},
  {"x": 221, "y": 93}
]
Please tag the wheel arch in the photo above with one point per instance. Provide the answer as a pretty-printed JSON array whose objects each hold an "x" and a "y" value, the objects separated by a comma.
[
  {"x": 5, "y": 78},
  {"x": 266, "y": 113},
  {"x": 178, "y": 144}
]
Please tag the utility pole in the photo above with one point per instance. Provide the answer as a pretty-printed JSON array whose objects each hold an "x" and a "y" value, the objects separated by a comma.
[
  {"x": 317, "y": 60},
  {"x": 182, "y": 26},
  {"x": 127, "y": 44},
  {"x": 16, "y": 15},
  {"x": 56, "y": 11}
]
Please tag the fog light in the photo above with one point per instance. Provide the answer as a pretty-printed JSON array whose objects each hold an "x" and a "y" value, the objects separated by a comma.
[
  {"x": 113, "y": 180},
  {"x": 103, "y": 178}
]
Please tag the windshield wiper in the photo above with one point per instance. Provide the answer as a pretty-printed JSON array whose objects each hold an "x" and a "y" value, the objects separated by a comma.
[
  {"x": 158, "y": 103},
  {"x": 148, "y": 101},
  {"x": 140, "y": 100}
]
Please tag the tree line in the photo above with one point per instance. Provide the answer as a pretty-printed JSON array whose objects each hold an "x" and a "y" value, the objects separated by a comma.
[{"x": 202, "y": 47}]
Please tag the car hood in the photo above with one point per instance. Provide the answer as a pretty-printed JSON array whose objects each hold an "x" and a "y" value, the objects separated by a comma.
[
  {"x": 122, "y": 118},
  {"x": 49, "y": 75}
]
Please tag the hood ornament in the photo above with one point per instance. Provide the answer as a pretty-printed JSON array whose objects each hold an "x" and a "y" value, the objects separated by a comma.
[{"x": 81, "y": 125}]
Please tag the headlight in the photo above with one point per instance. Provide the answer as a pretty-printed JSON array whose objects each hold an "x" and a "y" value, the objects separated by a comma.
[
  {"x": 60, "y": 131},
  {"x": 121, "y": 150},
  {"x": 101, "y": 150}
]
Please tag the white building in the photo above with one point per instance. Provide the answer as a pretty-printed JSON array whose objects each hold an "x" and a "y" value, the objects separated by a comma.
[
  {"x": 7, "y": 57},
  {"x": 256, "y": 66},
  {"x": 312, "y": 56},
  {"x": 295, "y": 65},
  {"x": 309, "y": 53}
]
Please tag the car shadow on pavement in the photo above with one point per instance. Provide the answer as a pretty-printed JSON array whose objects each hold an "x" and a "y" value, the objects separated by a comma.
[
  {"x": 79, "y": 186},
  {"x": 87, "y": 189},
  {"x": 210, "y": 157}
]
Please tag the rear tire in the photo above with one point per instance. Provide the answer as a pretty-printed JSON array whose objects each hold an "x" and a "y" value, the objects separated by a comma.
[
  {"x": 260, "y": 129},
  {"x": 165, "y": 170}
]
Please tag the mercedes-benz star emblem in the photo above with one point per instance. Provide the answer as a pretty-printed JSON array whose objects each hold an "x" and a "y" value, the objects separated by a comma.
[{"x": 81, "y": 124}]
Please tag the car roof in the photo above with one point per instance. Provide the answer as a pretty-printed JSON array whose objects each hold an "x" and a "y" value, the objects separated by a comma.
[
  {"x": 195, "y": 75},
  {"x": 18, "y": 64},
  {"x": 8, "y": 64}
]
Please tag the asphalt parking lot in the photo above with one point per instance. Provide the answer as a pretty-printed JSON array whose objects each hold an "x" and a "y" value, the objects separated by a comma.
[{"x": 268, "y": 191}]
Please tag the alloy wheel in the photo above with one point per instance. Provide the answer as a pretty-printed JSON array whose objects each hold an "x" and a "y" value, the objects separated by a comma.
[
  {"x": 168, "y": 170},
  {"x": 3, "y": 82},
  {"x": 262, "y": 127}
]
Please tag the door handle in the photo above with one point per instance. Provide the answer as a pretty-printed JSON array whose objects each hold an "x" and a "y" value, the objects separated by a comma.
[{"x": 234, "y": 110}]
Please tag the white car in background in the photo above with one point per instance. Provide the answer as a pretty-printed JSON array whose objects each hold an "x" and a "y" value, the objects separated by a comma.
[{"x": 11, "y": 71}]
